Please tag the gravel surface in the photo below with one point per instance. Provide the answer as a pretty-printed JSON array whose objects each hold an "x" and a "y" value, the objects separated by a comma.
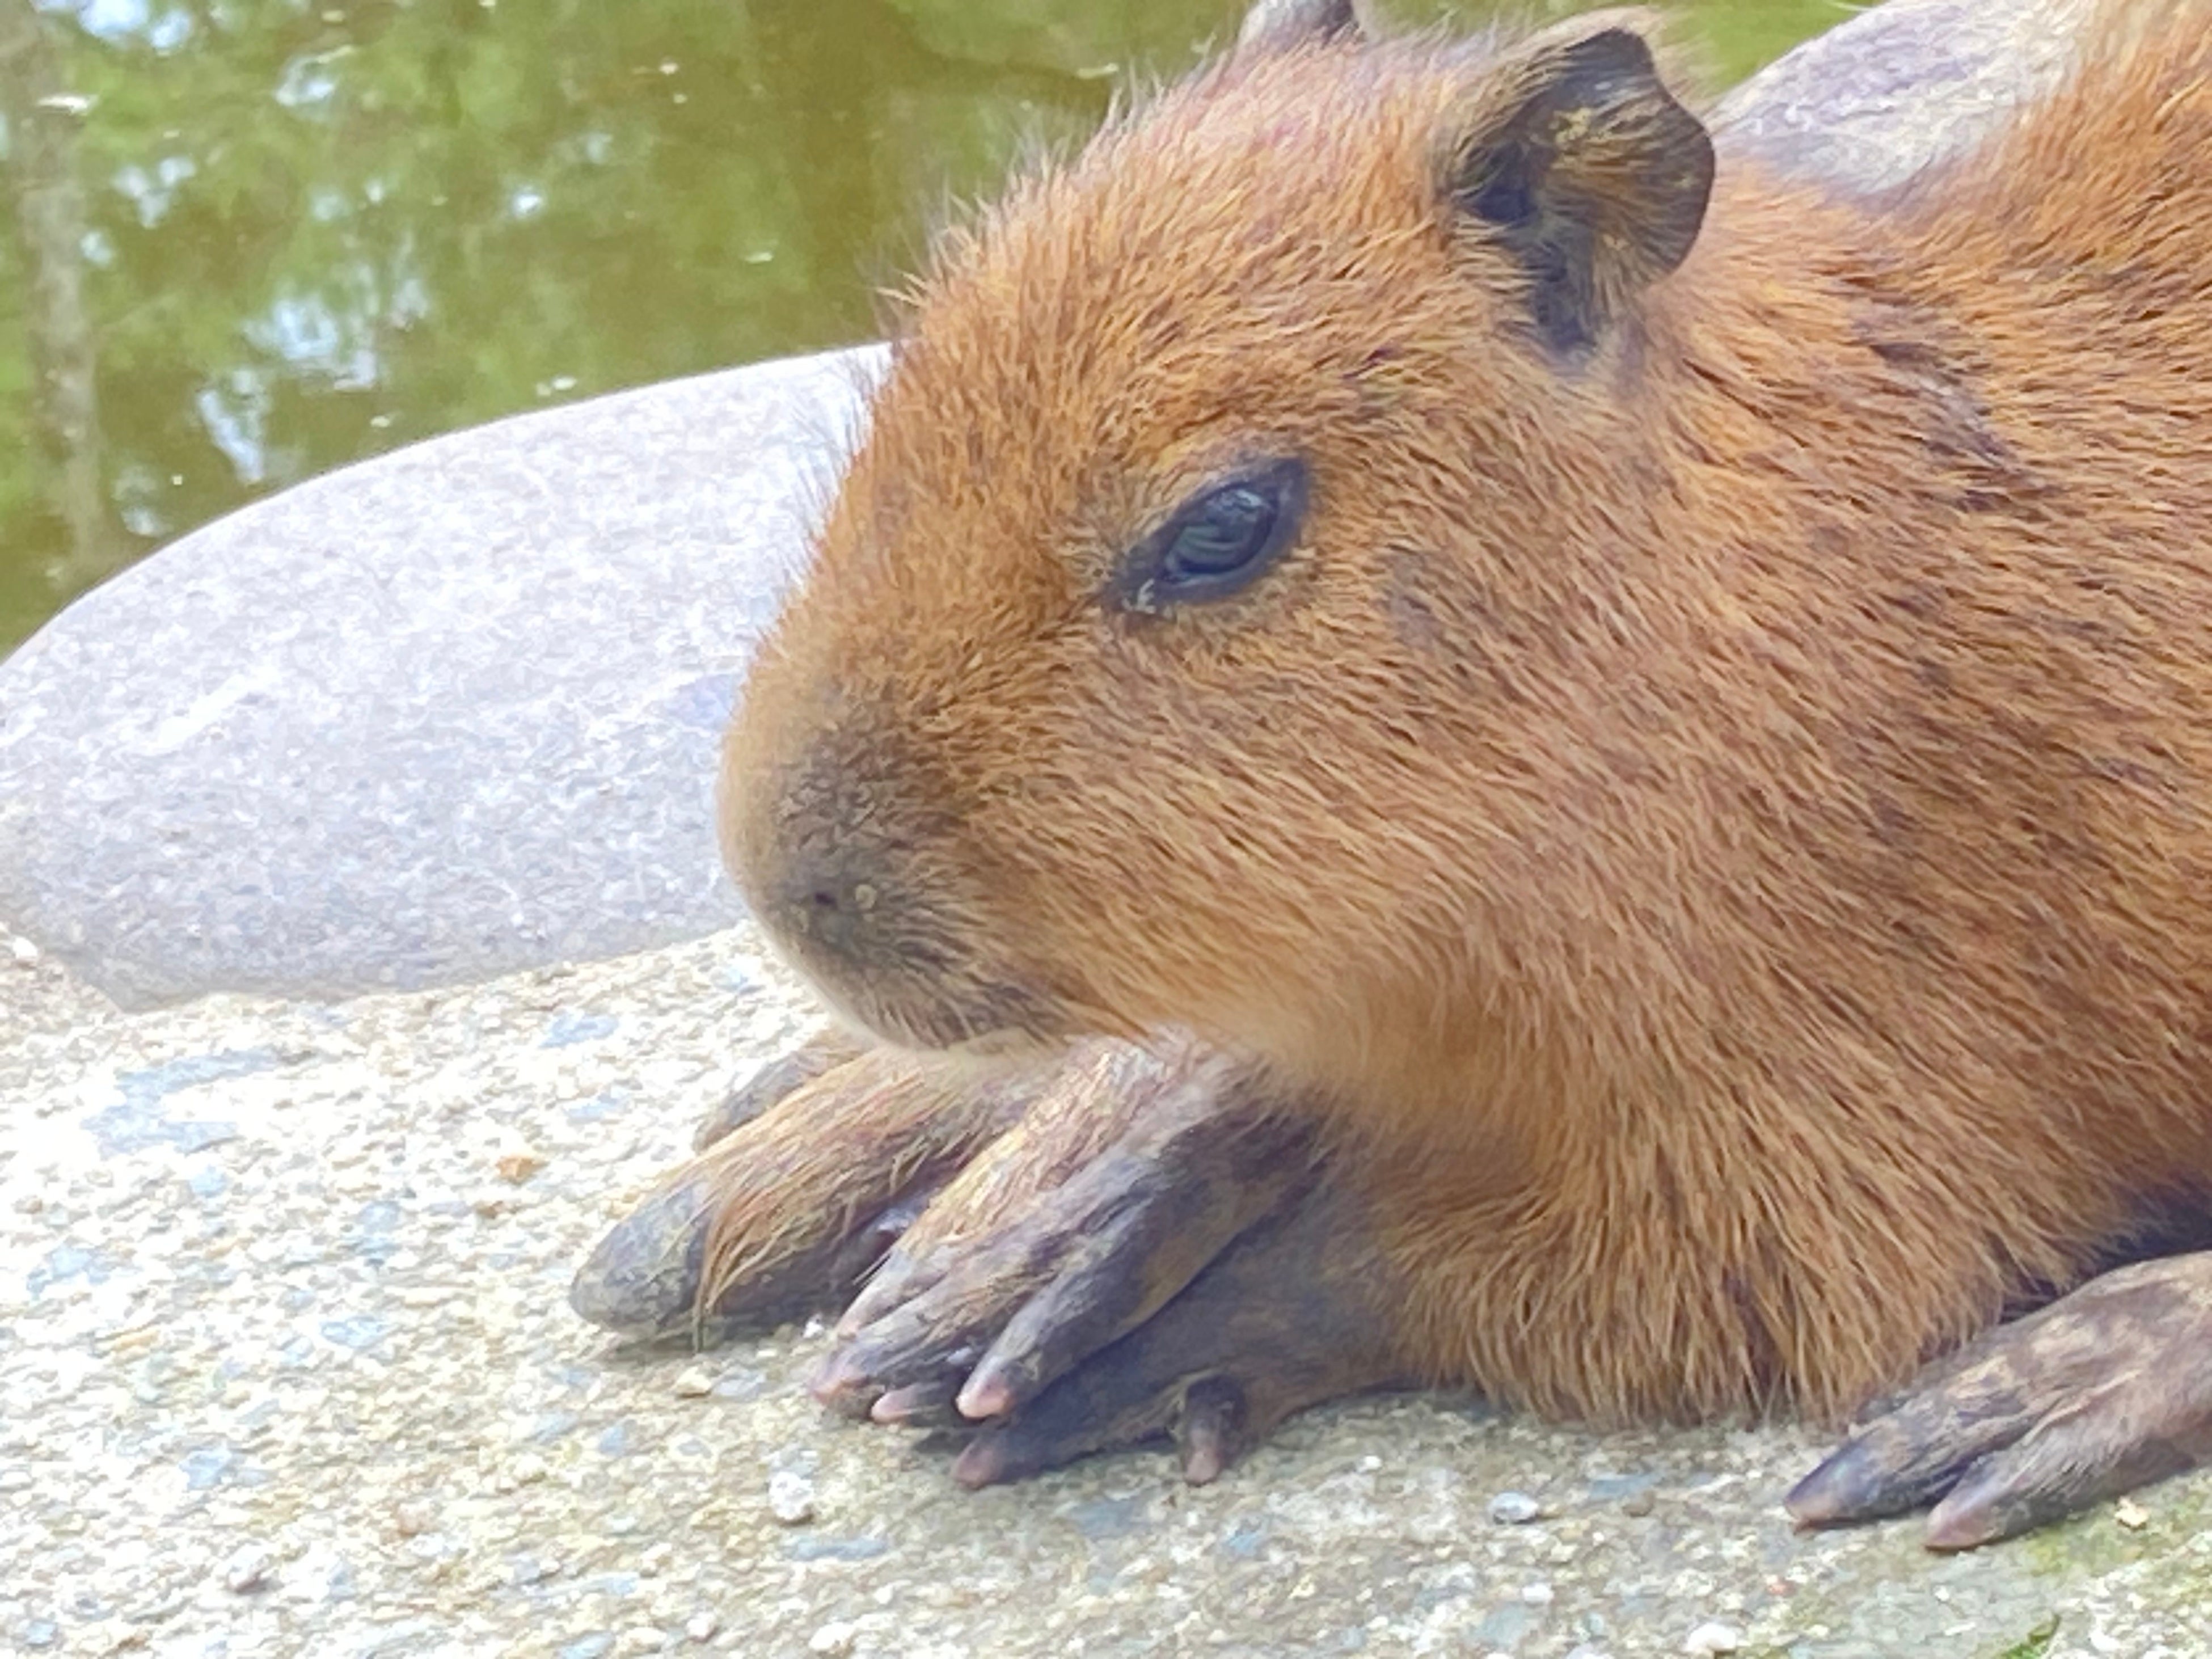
[{"x": 288, "y": 1369}]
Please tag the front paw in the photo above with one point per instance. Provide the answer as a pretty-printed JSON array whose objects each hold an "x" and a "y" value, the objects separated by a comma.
[
  {"x": 1058, "y": 1241},
  {"x": 805, "y": 1177},
  {"x": 1298, "y": 1310},
  {"x": 2105, "y": 1390},
  {"x": 1157, "y": 1249}
]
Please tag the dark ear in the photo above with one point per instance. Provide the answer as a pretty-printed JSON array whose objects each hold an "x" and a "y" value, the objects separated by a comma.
[
  {"x": 1575, "y": 157},
  {"x": 1272, "y": 25}
]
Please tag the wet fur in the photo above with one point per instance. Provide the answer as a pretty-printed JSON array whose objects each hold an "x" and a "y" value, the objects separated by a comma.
[{"x": 1724, "y": 818}]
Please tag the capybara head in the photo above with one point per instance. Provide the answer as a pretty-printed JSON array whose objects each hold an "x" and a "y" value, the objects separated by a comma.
[{"x": 1210, "y": 617}]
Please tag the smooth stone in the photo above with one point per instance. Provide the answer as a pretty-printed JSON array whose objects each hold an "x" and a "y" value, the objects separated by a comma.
[
  {"x": 1895, "y": 89},
  {"x": 442, "y": 714},
  {"x": 454, "y": 711}
]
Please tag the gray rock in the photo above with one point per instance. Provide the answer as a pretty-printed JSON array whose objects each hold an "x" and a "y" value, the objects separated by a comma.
[
  {"x": 447, "y": 713},
  {"x": 790, "y": 1498},
  {"x": 1712, "y": 1638},
  {"x": 454, "y": 711},
  {"x": 1897, "y": 88},
  {"x": 247, "y": 1571},
  {"x": 1514, "y": 1509}
]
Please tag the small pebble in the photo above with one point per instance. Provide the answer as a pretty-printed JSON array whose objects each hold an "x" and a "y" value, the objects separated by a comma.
[
  {"x": 1638, "y": 1503},
  {"x": 1537, "y": 1594},
  {"x": 790, "y": 1498},
  {"x": 1513, "y": 1509},
  {"x": 516, "y": 1168},
  {"x": 835, "y": 1638},
  {"x": 2130, "y": 1514},
  {"x": 22, "y": 949},
  {"x": 694, "y": 1382},
  {"x": 246, "y": 1571},
  {"x": 702, "y": 1627},
  {"x": 1713, "y": 1637}
]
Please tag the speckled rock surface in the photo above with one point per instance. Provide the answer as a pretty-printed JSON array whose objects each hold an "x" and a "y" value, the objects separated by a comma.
[
  {"x": 288, "y": 1370},
  {"x": 450, "y": 712}
]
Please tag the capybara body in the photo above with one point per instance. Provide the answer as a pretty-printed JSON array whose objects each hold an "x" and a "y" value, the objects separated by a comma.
[{"x": 1705, "y": 769}]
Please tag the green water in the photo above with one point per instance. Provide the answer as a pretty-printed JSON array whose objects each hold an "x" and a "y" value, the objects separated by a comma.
[{"x": 299, "y": 233}]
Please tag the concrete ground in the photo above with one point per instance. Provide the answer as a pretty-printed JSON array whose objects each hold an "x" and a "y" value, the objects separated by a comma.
[{"x": 286, "y": 1369}]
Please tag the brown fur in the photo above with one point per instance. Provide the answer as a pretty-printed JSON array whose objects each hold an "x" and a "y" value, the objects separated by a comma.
[
  {"x": 822, "y": 1160},
  {"x": 1724, "y": 817}
]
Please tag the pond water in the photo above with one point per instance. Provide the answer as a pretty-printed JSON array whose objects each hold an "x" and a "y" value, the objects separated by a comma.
[{"x": 254, "y": 240}]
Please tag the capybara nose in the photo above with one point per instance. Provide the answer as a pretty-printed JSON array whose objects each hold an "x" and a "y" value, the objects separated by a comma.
[
  {"x": 832, "y": 904},
  {"x": 818, "y": 835}
]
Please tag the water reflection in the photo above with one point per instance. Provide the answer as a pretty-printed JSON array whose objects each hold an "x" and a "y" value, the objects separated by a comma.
[{"x": 254, "y": 240}]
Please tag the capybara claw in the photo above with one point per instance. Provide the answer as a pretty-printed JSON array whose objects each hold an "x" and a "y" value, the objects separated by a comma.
[
  {"x": 643, "y": 1277},
  {"x": 987, "y": 1315}
]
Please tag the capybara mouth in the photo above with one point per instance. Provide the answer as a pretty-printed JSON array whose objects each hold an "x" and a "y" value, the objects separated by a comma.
[
  {"x": 982, "y": 1019},
  {"x": 943, "y": 1028}
]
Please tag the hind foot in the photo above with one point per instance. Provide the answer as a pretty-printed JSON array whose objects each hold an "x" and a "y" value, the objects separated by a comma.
[{"x": 2105, "y": 1390}]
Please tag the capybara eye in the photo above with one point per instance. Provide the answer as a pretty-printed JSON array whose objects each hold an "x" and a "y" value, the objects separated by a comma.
[
  {"x": 1219, "y": 540},
  {"x": 1223, "y": 536}
]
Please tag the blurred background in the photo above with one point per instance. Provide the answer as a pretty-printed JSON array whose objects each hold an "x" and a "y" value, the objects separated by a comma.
[{"x": 251, "y": 240}]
